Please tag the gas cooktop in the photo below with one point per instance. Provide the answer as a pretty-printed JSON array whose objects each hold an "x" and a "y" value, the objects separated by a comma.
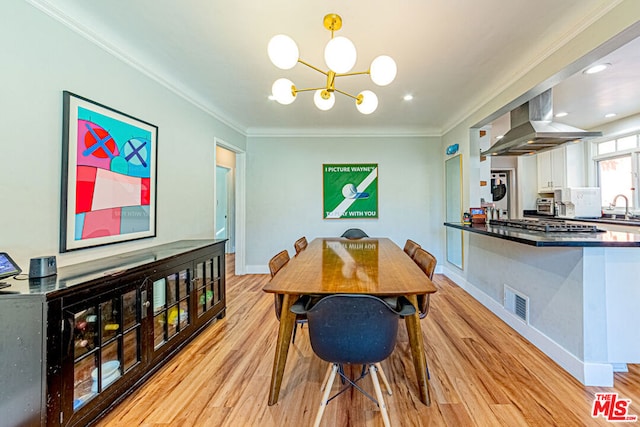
[{"x": 545, "y": 225}]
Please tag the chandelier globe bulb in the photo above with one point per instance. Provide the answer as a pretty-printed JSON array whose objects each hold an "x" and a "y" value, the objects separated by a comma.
[
  {"x": 383, "y": 70},
  {"x": 323, "y": 99},
  {"x": 366, "y": 102},
  {"x": 283, "y": 52},
  {"x": 283, "y": 91},
  {"x": 340, "y": 55}
]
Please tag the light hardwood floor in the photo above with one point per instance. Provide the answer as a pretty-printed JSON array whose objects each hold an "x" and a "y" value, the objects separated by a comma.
[{"x": 482, "y": 374}]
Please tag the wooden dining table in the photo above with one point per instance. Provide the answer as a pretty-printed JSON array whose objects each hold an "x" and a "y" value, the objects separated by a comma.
[{"x": 374, "y": 266}]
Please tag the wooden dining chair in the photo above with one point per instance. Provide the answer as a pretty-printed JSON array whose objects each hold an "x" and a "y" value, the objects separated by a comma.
[
  {"x": 278, "y": 261},
  {"x": 427, "y": 263},
  {"x": 300, "y": 244},
  {"x": 275, "y": 265},
  {"x": 410, "y": 247}
]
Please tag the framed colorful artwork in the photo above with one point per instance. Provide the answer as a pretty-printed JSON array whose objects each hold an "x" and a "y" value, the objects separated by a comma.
[
  {"x": 108, "y": 175},
  {"x": 350, "y": 191}
]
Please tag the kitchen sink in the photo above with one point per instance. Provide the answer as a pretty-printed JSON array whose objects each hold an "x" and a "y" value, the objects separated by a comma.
[
  {"x": 619, "y": 219},
  {"x": 631, "y": 222}
]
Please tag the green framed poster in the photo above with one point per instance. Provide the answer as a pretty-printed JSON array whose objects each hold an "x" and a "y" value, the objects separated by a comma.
[{"x": 350, "y": 191}]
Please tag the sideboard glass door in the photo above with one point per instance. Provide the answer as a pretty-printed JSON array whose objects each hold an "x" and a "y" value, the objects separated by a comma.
[
  {"x": 171, "y": 302},
  {"x": 106, "y": 342}
]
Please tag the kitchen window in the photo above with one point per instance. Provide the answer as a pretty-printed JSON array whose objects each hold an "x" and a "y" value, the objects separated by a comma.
[{"x": 617, "y": 164}]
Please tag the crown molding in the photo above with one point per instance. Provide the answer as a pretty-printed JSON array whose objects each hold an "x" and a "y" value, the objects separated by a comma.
[
  {"x": 119, "y": 53},
  {"x": 341, "y": 132}
]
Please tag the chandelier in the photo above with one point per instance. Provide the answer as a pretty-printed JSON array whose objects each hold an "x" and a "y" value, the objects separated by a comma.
[{"x": 340, "y": 56}]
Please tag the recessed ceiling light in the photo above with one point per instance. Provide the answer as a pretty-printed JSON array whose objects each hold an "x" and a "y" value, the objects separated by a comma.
[
  {"x": 562, "y": 114},
  {"x": 610, "y": 115},
  {"x": 408, "y": 97},
  {"x": 596, "y": 68}
]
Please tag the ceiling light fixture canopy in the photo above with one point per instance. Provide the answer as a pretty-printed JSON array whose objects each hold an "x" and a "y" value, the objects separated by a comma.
[{"x": 340, "y": 56}]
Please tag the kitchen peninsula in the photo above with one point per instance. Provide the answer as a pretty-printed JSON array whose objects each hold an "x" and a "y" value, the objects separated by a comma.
[{"x": 578, "y": 292}]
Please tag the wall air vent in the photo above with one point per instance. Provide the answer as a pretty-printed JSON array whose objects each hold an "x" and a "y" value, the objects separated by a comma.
[{"x": 516, "y": 303}]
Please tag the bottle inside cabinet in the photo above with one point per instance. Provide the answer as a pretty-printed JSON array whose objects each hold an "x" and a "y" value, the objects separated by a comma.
[
  {"x": 85, "y": 338},
  {"x": 207, "y": 279},
  {"x": 170, "y": 306},
  {"x": 106, "y": 338}
]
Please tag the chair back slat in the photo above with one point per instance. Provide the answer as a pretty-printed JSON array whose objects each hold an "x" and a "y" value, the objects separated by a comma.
[
  {"x": 425, "y": 261},
  {"x": 278, "y": 261},
  {"x": 410, "y": 247},
  {"x": 300, "y": 244}
]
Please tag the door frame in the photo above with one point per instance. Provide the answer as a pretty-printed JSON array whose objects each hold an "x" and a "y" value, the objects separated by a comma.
[
  {"x": 228, "y": 200},
  {"x": 240, "y": 201}
]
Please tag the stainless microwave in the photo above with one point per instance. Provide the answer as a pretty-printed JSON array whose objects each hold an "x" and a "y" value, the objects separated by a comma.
[{"x": 544, "y": 206}]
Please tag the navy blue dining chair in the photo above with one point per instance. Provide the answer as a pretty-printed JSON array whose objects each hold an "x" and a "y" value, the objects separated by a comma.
[
  {"x": 353, "y": 329},
  {"x": 354, "y": 233}
]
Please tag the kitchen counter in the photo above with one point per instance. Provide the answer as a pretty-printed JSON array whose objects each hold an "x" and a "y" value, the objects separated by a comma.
[{"x": 566, "y": 239}]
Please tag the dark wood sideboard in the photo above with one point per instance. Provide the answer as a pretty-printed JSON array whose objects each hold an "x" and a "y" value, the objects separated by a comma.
[{"x": 75, "y": 344}]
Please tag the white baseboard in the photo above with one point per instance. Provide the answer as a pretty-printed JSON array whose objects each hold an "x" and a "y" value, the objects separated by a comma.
[
  {"x": 257, "y": 269},
  {"x": 590, "y": 374}
]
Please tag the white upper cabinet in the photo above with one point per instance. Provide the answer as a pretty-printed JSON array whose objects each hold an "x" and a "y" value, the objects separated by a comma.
[
  {"x": 551, "y": 170},
  {"x": 561, "y": 167}
]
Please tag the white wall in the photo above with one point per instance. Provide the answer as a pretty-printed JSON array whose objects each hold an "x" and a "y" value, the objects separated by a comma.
[
  {"x": 284, "y": 191},
  {"x": 41, "y": 58}
]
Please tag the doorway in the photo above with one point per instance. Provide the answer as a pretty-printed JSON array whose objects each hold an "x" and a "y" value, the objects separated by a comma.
[
  {"x": 225, "y": 189},
  {"x": 222, "y": 203},
  {"x": 234, "y": 159}
]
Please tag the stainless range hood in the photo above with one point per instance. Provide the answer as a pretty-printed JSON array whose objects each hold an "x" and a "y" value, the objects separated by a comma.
[{"x": 532, "y": 130}]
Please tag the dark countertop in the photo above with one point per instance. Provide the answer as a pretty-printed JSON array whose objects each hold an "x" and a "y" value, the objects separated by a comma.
[
  {"x": 604, "y": 220},
  {"x": 82, "y": 273},
  {"x": 540, "y": 238}
]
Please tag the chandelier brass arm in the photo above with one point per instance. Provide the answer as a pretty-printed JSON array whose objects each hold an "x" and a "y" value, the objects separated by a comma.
[
  {"x": 358, "y": 98},
  {"x": 354, "y": 73},
  {"x": 312, "y": 66}
]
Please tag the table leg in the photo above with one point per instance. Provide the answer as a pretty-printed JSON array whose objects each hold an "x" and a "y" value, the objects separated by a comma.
[
  {"x": 417, "y": 351},
  {"x": 287, "y": 323}
]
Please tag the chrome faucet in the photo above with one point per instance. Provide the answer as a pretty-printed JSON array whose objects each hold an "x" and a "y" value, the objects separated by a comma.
[{"x": 626, "y": 204}]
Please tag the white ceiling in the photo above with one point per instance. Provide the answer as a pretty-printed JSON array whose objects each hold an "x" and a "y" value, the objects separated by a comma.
[{"x": 452, "y": 56}]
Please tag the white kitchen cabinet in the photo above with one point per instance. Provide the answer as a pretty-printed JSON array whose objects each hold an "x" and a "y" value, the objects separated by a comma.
[
  {"x": 561, "y": 167},
  {"x": 551, "y": 170}
]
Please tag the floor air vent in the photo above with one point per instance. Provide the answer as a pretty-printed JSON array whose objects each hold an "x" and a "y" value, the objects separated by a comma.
[{"x": 516, "y": 303}]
